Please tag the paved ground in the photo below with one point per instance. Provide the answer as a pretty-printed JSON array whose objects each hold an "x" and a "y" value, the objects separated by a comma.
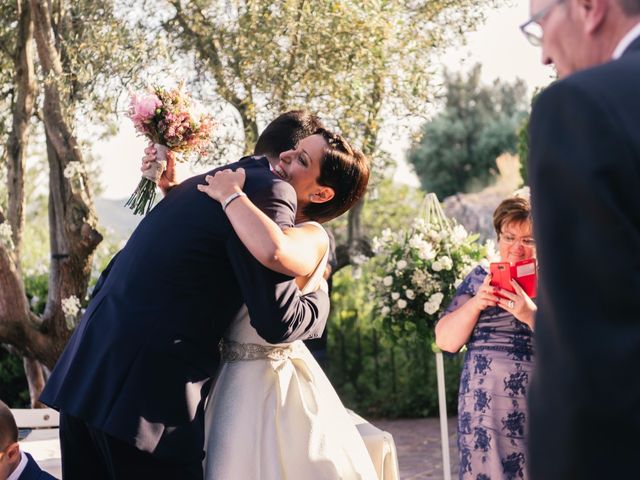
[{"x": 418, "y": 445}]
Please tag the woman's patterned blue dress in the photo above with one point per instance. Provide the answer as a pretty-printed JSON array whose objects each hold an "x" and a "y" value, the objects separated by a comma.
[{"x": 492, "y": 414}]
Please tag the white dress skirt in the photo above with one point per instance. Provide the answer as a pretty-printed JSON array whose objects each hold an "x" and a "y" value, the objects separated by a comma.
[{"x": 273, "y": 414}]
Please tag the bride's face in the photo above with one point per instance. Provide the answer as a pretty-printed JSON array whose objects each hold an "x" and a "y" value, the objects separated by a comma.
[{"x": 301, "y": 168}]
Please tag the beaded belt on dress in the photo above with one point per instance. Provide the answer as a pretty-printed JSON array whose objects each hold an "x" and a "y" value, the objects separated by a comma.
[{"x": 231, "y": 351}]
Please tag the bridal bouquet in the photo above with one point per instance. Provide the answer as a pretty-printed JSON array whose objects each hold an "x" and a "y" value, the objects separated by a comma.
[
  {"x": 173, "y": 121},
  {"x": 418, "y": 270}
]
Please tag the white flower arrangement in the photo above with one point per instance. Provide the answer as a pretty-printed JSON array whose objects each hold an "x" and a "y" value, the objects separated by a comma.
[{"x": 417, "y": 270}]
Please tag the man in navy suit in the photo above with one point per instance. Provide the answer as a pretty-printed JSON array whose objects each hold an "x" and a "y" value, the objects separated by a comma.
[
  {"x": 584, "y": 165},
  {"x": 132, "y": 381},
  {"x": 14, "y": 463}
]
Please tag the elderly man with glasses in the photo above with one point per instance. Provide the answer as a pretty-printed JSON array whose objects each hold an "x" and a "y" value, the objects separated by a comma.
[{"x": 584, "y": 170}]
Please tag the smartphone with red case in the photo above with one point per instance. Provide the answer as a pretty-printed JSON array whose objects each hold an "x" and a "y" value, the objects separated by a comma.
[{"x": 524, "y": 272}]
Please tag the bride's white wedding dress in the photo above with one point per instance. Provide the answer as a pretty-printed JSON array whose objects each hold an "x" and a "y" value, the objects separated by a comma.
[{"x": 273, "y": 414}]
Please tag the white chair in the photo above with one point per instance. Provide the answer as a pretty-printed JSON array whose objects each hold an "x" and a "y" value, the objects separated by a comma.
[
  {"x": 36, "y": 417},
  {"x": 42, "y": 442}
]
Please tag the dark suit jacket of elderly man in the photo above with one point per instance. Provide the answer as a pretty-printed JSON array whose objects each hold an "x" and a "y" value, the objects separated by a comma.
[
  {"x": 140, "y": 363},
  {"x": 585, "y": 178}
]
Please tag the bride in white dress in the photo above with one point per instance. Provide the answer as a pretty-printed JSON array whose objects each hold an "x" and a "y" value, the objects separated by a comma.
[{"x": 273, "y": 413}]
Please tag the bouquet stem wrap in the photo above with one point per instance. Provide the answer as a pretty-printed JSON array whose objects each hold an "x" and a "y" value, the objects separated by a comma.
[{"x": 143, "y": 198}]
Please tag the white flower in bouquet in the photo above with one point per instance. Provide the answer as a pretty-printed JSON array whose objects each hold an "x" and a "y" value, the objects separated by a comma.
[
  {"x": 410, "y": 294},
  {"x": 436, "y": 298},
  {"x": 402, "y": 304},
  {"x": 387, "y": 281},
  {"x": 442, "y": 263},
  {"x": 395, "y": 296},
  {"x": 419, "y": 277},
  {"x": 458, "y": 235},
  {"x": 401, "y": 264},
  {"x": 437, "y": 266},
  {"x": 419, "y": 224},
  {"x": 430, "y": 308},
  {"x": 425, "y": 250}
]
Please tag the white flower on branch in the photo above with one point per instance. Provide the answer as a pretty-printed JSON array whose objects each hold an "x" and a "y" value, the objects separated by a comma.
[
  {"x": 6, "y": 236},
  {"x": 70, "y": 308},
  {"x": 402, "y": 303},
  {"x": 387, "y": 281},
  {"x": 73, "y": 170}
]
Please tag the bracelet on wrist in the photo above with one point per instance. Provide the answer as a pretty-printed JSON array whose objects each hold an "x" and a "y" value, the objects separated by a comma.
[{"x": 231, "y": 198}]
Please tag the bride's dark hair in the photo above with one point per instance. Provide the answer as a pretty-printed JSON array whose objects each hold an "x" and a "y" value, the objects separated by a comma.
[{"x": 344, "y": 169}]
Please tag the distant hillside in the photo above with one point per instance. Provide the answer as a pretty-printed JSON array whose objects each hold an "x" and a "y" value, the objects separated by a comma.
[{"x": 118, "y": 220}]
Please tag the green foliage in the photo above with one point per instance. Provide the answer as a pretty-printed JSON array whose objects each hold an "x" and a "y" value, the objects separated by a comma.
[
  {"x": 523, "y": 140},
  {"x": 459, "y": 146},
  {"x": 14, "y": 390},
  {"x": 376, "y": 374},
  {"x": 523, "y": 149}
]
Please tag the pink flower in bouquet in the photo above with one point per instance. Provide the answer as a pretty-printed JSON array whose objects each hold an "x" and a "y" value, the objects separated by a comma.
[{"x": 143, "y": 109}]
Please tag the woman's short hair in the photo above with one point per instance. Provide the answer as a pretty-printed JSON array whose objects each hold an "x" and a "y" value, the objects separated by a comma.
[
  {"x": 516, "y": 209},
  {"x": 346, "y": 170}
]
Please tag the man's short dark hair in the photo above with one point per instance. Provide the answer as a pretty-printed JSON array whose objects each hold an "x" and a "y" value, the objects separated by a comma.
[
  {"x": 8, "y": 427},
  {"x": 286, "y": 131}
]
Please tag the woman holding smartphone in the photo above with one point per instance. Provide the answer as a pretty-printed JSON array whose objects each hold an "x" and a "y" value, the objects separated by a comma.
[{"x": 496, "y": 325}]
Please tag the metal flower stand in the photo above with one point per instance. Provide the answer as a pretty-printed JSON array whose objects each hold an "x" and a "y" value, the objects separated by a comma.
[{"x": 442, "y": 403}]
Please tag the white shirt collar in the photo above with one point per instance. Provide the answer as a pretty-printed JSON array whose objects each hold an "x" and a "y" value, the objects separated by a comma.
[
  {"x": 21, "y": 466},
  {"x": 626, "y": 41}
]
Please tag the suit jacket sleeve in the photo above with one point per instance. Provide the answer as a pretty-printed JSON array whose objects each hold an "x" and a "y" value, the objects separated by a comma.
[
  {"x": 583, "y": 176},
  {"x": 276, "y": 309}
]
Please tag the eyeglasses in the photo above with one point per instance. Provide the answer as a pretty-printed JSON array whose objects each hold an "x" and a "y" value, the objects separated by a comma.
[
  {"x": 509, "y": 239},
  {"x": 532, "y": 30}
]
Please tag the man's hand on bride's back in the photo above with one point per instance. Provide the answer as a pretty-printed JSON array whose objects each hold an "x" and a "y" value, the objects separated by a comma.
[{"x": 223, "y": 184}]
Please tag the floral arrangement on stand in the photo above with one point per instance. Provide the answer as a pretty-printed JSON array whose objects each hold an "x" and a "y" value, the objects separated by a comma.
[
  {"x": 173, "y": 122},
  {"x": 418, "y": 270}
]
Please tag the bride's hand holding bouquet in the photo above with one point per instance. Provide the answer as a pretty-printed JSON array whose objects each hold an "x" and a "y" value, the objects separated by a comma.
[{"x": 172, "y": 122}]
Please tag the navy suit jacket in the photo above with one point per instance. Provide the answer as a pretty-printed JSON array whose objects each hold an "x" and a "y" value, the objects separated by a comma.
[
  {"x": 140, "y": 363},
  {"x": 33, "y": 472},
  {"x": 584, "y": 397}
]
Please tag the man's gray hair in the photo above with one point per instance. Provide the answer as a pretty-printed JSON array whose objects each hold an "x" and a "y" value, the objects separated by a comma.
[{"x": 630, "y": 7}]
